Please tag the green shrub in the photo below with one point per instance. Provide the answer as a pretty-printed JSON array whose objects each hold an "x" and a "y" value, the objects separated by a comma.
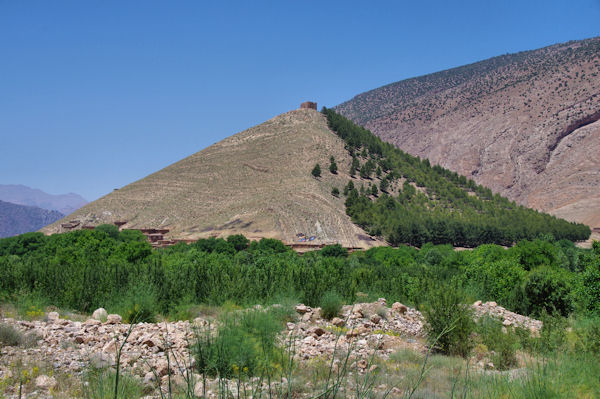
[
  {"x": 587, "y": 332},
  {"x": 139, "y": 304},
  {"x": 245, "y": 344},
  {"x": 110, "y": 229},
  {"x": 331, "y": 304},
  {"x": 449, "y": 320},
  {"x": 238, "y": 241},
  {"x": 546, "y": 290},
  {"x": 335, "y": 250},
  {"x": 553, "y": 334},
  {"x": 504, "y": 344},
  {"x": 100, "y": 384},
  {"x": 10, "y": 336}
]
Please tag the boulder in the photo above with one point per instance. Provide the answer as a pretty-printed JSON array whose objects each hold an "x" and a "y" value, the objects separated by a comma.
[
  {"x": 318, "y": 331},
  {"x": 53, "y": 317},
  {"x": 302, "y": 309},
  {"x": 113, "y": 319},
  {"x": 398, "y": 307},
  {"x": 100, "y": 314},
  {"x": 92, "y": 322},
  {"x": 45, "y": 382},
  {"x": 149, "y": 378},
  {"x": 338, "y": 322}
]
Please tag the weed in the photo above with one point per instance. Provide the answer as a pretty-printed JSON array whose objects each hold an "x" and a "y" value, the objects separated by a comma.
[
  {"x": 445, "y": 312},
  {"x": 331, "y": 304}
]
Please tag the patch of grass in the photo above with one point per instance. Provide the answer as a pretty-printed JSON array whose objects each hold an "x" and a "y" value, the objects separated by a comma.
[
  {"x": 449, "y": 320},
  {"x": 504, "y": 344},
  {"x": 331, "y": 305},
  {"x": 10, "y": 336},
  {"x": 244, "y": 344},
  {"x": 382, "y": 312},
  {"x": 139, "y": 303},
  {"x": 100, "y": 384}
]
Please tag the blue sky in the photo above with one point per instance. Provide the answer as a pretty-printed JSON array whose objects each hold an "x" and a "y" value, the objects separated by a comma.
[{"x": 97, "y": 94}]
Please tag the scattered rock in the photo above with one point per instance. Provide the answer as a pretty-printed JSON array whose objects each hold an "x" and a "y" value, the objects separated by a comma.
[
  {"x": 302, "y": 309},
  {"x": 338, "y": 322},
  {"x": 398, "y": 307},
  {"x": 100, "y": 360}
]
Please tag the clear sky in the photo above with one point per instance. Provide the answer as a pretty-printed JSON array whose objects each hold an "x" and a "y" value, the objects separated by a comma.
[{"x": 97, "y": 94}]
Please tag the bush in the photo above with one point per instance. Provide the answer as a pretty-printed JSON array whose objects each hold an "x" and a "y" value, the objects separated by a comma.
[
  {"x": 553, "y": 334},
  {"x": 335, "y": 250},
  {"x": 10, "y": 336},
  {"x": 546, "y": 290},
  {"x": 244, "y": 345},
  {"x": 504, "y": 344},
  {"x": 110, "y": 229},
  {"x": 587, "y": 332},
  {"x": 331, "y": 304},
  {"x": 100, "y": 384},
  {"x": 268, "y": 245},
  {"x": 238, "y": 241},
  {"x": 449, "y": 321},
  {"x": 139, "y": 305}
]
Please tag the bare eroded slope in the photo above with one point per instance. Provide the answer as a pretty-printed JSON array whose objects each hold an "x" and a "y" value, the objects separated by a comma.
[{"x": 256, "y": 182}]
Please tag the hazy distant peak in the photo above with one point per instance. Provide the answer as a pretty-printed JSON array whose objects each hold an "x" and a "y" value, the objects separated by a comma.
[{"x": 23, "y": 195}]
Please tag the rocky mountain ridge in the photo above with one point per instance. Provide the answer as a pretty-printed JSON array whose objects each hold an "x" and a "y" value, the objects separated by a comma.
[
  {"x": 527, "y": 125},
  {"x": 18, "y": 219}
]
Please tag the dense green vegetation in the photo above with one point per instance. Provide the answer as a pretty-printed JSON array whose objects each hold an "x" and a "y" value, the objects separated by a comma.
[
  {"x": 546, "y": 278},
  {"x": 86, "y": 269},
  {"x": 420, "y": 203}
]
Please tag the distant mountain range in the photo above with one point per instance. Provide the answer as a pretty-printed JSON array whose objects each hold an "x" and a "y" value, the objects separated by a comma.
[
  {"x": 526, "y": 125},
  {"x": 23, "y": 195},
  {"x": 18, "y": 219}
]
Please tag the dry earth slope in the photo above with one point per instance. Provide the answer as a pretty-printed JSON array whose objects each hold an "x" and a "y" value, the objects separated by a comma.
[
  {"x": 526, "y": 125},
  {"x": 257, "y": 183}
]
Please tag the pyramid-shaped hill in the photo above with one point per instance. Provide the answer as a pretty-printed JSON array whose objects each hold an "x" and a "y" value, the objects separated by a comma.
[{"x": 257, "y": 183}]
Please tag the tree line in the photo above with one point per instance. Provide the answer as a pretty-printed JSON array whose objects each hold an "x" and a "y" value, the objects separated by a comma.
[
  {"x": 86, "y": 269},
  {"x": 409, "y": 201}
]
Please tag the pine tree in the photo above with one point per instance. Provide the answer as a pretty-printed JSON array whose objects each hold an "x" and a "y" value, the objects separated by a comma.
[
  {"x": 316, "y": 172},
  {"x": 374, "y": 190},
  {"x": 384, "y": 186},
  {"x": 332, "y": 165},
  {"x": 335, "y": 192},
  {"x": 355, "y": 165}
]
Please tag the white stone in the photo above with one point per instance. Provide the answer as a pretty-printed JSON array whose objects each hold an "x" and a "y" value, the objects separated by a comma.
[
  {"x": 53, "y": 317},
  {"x": 100, "y": 314},
  {"x": 45, "y": 382}
]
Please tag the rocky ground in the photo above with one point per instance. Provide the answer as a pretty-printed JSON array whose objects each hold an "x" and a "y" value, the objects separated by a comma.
[{"x": 73, "y": 346}]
